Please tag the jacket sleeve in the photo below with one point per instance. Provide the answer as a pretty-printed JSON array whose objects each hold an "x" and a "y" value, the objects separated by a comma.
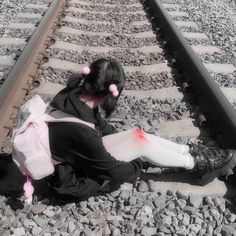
[
  {"x": 104, "y": 127},
  {"x": 101, "y": 164}
]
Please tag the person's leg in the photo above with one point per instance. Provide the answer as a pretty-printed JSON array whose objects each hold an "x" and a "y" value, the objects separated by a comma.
[
  {"x": 132, "y": 144},
  {"x": 118, "y": 138}
]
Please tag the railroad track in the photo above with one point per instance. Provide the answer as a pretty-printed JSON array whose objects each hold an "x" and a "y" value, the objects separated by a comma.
[
  {"x": 153, "y": 98},
  {"x": 157, "y": 97}
]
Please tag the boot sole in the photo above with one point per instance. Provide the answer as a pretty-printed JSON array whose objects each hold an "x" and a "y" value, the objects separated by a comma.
[{"x": 209, "y": 177}]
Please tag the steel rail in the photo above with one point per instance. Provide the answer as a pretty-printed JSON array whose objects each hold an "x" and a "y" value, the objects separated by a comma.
[
  {"x": 214, "y": 105},
  {"x": 15, "y": 87}
]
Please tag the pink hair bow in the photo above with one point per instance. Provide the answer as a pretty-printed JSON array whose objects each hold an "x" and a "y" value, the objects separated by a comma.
[
  {"x": 86, "y": 70},
  {"x": 113, "y": 90}
]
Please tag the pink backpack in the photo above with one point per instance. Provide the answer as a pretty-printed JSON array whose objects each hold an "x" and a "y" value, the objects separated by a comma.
[{"x": 31, "y": 150}]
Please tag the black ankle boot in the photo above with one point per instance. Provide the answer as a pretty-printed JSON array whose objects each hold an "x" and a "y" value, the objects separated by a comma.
[{"x": 211, "y": 162}]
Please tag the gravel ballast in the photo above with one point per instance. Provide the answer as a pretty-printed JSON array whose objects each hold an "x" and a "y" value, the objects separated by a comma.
[
  {"x": 125, "y": 57},
  {"x": 132, "y": 210},
  {"x": 110, "y": 28},
  {"x": 127, "y": 211},
  {"x": 215, "y": 18},
  {"x": 148, "y": 113},
  {"x": 9, "y": 14},
  {"x": 115, "y": 40},
  {"x": 10, "y": 9}
]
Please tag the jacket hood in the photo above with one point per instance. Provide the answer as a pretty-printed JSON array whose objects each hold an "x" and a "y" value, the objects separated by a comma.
[{"x": 68, "y": 101}]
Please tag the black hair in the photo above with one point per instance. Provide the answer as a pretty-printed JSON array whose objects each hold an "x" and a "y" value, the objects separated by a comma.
[{"x": 103, "y": 73}]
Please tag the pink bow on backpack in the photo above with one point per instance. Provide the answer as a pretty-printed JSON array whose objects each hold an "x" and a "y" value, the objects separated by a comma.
[{"x": 29, "y": 190}]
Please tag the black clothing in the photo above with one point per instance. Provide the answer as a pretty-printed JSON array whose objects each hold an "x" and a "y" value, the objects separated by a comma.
[{"x": 87, "y": 168}]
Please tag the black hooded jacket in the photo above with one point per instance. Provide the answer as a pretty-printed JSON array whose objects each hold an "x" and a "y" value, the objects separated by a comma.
[{"x": 87, "y": 169}]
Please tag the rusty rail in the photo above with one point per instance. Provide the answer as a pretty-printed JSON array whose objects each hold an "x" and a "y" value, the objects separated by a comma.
[
  {"x": 214, "y": 105},
  {"x": 21, "y": 77}
]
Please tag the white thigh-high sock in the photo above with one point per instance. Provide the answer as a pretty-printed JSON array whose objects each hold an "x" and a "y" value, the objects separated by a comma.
[
  {"x": 137, "y": 143},
  {"x": 182, "y": 149},
  {"x": 118, "y": 138}
]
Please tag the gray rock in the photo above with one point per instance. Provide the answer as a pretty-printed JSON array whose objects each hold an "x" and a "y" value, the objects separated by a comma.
[
  {"x": 69, "y": 206},
  {"x": 38, "y": 208},
  {"x": 167, "y": 220},
  {"x": 115, "y": 193},
  {"x": 181, "y": 203},
  {"x": 64, "y": 233},
  {"x": 217, "y": 230},
  {"x": 19, "y": 231},
  {"x": 182, "y": 195},
  {"x": 174, "y": 221},
  {"x": 132, "y": 200},
  {"x": 210, "y": 229},
  {"x": 130, "y": 227},
  {"x": 198, "y": 221},
  {"x": 147, "y": 231},
  {"x": 208, "y": 201},
  {"x": 170, "y": 213},
  {"x": 160, "y": 234},
  {"x": 170, "y": 193},
  {"x": 186, "y": 219},
  {"x": 116, "y": 232},
  {"x": 76, "y": 233},
  {"x": 231, "y": 218},
  {"x": 8, "y": 211},
  {"x": 182, "y": 232},
  {"x": 125, "y": 194},
  {"x": 84, "y": 220},
  {"x": 160, "y": 201},
  {"x": 189, "y": 209},
  {"x": 202, "y": 232},
  {"x": 164, "y": 229},
  {"x": 213, "y": 212},
  {"x": 52, "y": 222},
  {"x": 97, "y": 221},
  {"x": 129, "y": 217},
  {"x": 221, "y": 208},
  {"x": 111, "y": 218},
  {"x": 143, "y": 187},
  {"x": 149, "y": 203},
  {"x": 206, "y": 214},
  {"x": 217, "y": 201},
  {"x": 16, "y": 221},
  {"x": 83, "y": 204},
  {"x": 195, "y": 228},
  {"x": 145, "y": 211},
  {"x": 170, "y": 205},
  {"x": 5, "y": 233},
  {"x": 71, "y": 227},
  {"x": 49, "y": 213},
  {"x": 40, "y": 222},
  {"x": 195, "y": 201},
  {"x": 227, "y": 230},
  {"x": 36, "y": 230},
  {"x": 107, "y": 230}
]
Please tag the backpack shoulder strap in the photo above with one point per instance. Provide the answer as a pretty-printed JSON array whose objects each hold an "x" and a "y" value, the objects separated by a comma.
[{"x": 55, "y": 115}]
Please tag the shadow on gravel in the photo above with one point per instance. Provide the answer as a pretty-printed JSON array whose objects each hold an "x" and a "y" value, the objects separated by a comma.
[
  {"x": 12, "y": 180},
  {"x": 11, "y": 185},
  {"x": 179, "y": 177}
]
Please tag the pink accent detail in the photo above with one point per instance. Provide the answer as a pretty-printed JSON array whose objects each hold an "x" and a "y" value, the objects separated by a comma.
[
  {"x": 86, "y": 70},
  {"x": 113, "y": 90},
  {"x": 115, "y": 93},
  {"x": 140, "y": 134},
  {"x": 29, "y": 189}
]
